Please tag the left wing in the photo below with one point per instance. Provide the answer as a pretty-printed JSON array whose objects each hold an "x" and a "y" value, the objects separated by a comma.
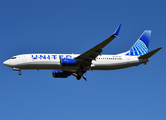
[{"x": 85, "y": 59}]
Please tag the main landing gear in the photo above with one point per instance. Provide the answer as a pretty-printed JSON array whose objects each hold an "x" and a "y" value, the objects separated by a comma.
[
  {"x": 78, "y": 77},
  {"x": 81, "y": 73}
]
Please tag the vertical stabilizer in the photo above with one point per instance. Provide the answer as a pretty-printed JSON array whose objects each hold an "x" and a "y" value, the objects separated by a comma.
[{"x": 141, "y": 46}]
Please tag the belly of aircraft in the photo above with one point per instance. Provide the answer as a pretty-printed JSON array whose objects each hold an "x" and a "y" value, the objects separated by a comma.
[{"x": 53, "y": 65}]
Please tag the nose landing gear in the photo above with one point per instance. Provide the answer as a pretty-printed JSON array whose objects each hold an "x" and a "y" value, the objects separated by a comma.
[
  {"x": 20, "y": 72},
  {"x": 18, "y": 69}
]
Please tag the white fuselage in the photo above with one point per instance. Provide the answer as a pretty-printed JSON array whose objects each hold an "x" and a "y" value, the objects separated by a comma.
[{"x": 52, "y": 61}]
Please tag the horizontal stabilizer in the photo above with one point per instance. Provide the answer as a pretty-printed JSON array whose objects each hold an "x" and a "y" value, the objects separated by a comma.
[{"x": 149, "y": 54}]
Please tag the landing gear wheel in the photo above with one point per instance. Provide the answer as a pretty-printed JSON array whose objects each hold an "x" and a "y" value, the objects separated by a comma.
[
  {"x": 20, "y": 73},
  {"x": 78, "y": 77}
]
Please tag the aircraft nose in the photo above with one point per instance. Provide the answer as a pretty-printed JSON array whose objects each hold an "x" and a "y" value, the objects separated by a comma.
[{"x": 6, "y": 62}]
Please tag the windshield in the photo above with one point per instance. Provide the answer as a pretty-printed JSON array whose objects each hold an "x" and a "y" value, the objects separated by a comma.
[{"x": 13, "y": 58}]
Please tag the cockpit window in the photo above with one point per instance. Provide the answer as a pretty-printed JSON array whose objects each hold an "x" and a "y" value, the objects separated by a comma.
[{"x": 13, "y": 58}]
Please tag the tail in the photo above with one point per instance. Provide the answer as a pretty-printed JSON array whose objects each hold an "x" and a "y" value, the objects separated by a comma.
[{"x": 141, "y": 46}]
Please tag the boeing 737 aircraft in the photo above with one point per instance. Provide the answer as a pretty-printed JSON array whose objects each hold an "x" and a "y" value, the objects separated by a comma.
[{"x": 64, "y": 65}]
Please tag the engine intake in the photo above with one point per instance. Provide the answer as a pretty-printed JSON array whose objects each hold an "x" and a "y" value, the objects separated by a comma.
[
  {"x": 67, "y": 62},
  {"x": 60, "y": 74}
]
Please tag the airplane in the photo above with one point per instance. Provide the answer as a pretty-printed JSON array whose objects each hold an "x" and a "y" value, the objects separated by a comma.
[{"x": 65, "y": 65}]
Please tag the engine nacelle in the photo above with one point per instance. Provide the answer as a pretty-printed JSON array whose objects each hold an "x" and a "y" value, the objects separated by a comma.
[
  {"x": 67, "y": 62},
  {"x": 60, "y": 74}
]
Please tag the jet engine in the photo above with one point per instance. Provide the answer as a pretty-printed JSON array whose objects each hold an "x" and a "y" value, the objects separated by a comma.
[
  {"x": 60, "y": 74},
  {"x": 67, "y": 62}
]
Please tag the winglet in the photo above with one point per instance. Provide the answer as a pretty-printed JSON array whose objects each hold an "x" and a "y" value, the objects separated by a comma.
[
  {"x": 117, "y": 31},
  {"x": 149, "y": 54}
]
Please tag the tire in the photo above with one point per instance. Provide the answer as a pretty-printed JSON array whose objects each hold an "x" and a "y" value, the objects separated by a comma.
[
  {"x": 20, "y": 73},
  {"x": 78, "y": 77}
]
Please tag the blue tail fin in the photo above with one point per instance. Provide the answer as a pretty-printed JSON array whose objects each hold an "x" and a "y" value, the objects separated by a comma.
[{"x": 141, "y": 46}]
